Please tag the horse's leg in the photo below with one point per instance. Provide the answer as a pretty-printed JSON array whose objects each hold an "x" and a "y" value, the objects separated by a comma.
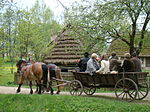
[
  {"x": 36, "y": 91},
  {"x": 50, "y": 87},
  {"x": 58, "y": 91},
  {"x": 31, "y": 91},
  {"x": 18, "y": 90},
  {"x": 44, "y": 77},
  {"x": 40, "y": 86},
  {"x": 21, "y": 82}
]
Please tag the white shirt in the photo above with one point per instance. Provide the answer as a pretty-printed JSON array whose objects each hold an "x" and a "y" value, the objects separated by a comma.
[{"x": 104, "y": 66}]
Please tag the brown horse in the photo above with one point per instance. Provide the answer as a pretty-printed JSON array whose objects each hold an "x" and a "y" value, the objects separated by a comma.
[
  {"x": 35, "y": 71},
  {"x": 39, "y": 71},
  {"x": 54, "y": 75}
]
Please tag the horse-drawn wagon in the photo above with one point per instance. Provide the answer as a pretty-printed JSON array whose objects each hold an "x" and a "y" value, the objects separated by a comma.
[{"x": 127, "y": 85}]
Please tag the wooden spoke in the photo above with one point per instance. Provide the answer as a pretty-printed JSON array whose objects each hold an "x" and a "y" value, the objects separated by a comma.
[
  {"x": 142, "y": 91},
  {"x": 126, "y": 89},
  {"x": 89, "y": 90},
  {"x": 76, "y": 88}
]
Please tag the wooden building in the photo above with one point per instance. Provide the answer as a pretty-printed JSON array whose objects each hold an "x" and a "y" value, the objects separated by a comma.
[{"x": 66, "y": 51}]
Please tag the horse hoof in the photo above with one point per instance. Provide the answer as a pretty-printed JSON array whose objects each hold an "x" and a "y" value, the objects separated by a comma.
[
  {"x": 52, "y": 93},
  {"x": 18, "y": 90},
  {"x": 31, "y": 92},
  {"x": 39, "y": 92},
  {"x": 57, "y": 92},
  {"x": 47, "y": 90}
]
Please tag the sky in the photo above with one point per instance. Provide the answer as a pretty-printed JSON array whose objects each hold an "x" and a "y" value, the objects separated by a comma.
[{"x": 54, "y": 5}]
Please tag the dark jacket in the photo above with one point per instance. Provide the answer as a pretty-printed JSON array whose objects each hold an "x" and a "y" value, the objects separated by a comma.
[
  {"x": 128, "y": 66},
  {"x": 83, "y": 63},
  {"x": 115, "y": 65},
  {"x": 137, "y": 64}
]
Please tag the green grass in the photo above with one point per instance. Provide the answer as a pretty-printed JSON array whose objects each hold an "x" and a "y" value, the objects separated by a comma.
[
  {"x": 6, "y": 77},
  {"x": 60, "y": 103}
]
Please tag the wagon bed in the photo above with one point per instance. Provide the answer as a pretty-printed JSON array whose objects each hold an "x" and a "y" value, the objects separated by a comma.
[{"x": 128, "y": 85}]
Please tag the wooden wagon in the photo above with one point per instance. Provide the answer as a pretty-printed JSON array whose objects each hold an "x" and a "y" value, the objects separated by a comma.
[{"x": 127, "y": 86}]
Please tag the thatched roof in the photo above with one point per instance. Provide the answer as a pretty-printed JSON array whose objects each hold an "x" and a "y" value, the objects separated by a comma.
[
  {"x": 66, "y": 49},
  {"x": 120, "y": 48}
]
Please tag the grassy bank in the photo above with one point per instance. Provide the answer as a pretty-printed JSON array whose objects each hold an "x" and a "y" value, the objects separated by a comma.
[{"x": 57, "y": 103}]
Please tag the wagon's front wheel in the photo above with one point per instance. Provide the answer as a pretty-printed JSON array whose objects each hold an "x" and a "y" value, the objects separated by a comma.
[
  {"x": 142, "y": 90},
  {"x": 126, "y": 89},
  {"x": 76, "y": 88},
  {"x": 89, "y": 90}
]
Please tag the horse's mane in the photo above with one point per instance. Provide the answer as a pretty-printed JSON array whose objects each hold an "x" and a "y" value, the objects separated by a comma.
[{"x": 20, "y": 62}]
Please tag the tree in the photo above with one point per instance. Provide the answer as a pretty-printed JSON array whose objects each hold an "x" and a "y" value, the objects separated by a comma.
[
  {"x": 25, "y": 31},
  {"x": 108, "y": 20},
  {"x": 7, "y": 33},
  {"x": 44, "y": 27},
  {"x": 34, "y": 30}
]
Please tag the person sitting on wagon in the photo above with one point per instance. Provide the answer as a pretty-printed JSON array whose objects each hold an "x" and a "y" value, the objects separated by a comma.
[
  {"x": 104, "y": 65},
  {"x": 83, "y": 62},
  {"x": 113, "y": 56},
  {"x": 115, "y": 65},
  {"x": 127, "y": 65},
  {"x": 92, "y": 64},
  {"x": 137, "y": 62}
]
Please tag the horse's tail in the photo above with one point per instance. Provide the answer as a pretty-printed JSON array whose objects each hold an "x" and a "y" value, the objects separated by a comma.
[{"x": 45, "y": 75}]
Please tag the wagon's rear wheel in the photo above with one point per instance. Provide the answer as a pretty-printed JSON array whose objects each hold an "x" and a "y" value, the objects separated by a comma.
[
  {"x": 89, "y": 90},
  {"x": 126, "y": 89},
  {"x": 142, "y": 91},
  {"x": 76, "y": 88}
]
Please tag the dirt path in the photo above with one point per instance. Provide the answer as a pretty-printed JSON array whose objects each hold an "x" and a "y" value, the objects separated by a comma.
[{"x": 12, "y": 90}]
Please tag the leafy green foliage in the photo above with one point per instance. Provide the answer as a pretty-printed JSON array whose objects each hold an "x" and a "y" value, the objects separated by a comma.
[
  {"x": 100, "y": 22},
  {"x": 25, "y": 32}
]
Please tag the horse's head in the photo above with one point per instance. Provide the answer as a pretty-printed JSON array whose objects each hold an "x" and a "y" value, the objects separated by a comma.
[{"x": 20, "y": 64}]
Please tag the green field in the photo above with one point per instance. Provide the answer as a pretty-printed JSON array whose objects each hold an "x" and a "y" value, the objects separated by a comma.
[
  {"x": 6, "y": 77},
  {"x": 60, "y": 103}
]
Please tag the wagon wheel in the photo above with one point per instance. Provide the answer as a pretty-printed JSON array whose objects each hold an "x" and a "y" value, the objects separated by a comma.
[
  {"x": 76, "y": 88},
  {"x": 126, "y": 89},
  {"x": 89, "y": 90},
  {"x": 142, "y": 91}
]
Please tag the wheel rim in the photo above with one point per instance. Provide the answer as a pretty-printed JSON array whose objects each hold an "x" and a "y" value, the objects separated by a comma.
[
  {"x": 142, "y": 91},
  {"x": 126, "y": 89},
  {"x": 89, "y": 90},
  {"x": 76, "y": 88}
]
